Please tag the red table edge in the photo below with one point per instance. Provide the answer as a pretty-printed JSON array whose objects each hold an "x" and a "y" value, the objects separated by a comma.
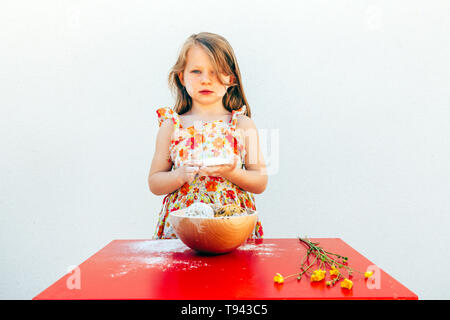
[{"x": 415, "y": 297}]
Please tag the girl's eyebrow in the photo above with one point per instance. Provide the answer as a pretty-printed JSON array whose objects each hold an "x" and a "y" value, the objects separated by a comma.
[{"x": 199, "y": 67}]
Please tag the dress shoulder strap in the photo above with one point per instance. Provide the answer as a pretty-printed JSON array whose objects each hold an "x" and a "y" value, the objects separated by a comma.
[
  {"x": 234, "y": 115},
  {"x": 167, "y": 113}
]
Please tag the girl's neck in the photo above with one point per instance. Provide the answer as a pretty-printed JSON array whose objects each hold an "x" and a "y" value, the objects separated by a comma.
[{"x": 207, "y": 111}]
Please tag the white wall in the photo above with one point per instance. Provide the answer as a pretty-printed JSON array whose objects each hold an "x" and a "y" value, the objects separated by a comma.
[{"x": 359, "y": 90}]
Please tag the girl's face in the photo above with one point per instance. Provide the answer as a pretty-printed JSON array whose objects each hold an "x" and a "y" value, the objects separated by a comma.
[{"x": 199, "y": 75}]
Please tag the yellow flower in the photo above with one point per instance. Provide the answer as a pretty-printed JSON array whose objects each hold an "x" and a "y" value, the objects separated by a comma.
[
  {"x": 346, "y": 283},
  {"x": 368, "y": 274},
  {"x": 318, "y": 275},
  {"x": 315, "y": 278},
  {"x": 278, "y": 278},
  {"x": 334, "y": 271}
]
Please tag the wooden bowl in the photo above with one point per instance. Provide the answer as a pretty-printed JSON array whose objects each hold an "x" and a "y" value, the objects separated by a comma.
[{"x": 213, "y": 235}]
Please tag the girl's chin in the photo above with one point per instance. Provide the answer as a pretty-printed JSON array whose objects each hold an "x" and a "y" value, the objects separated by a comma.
[{"x": 209, "y": 98}]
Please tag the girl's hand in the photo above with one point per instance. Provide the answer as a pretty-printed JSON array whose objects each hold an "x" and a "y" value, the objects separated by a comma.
[
  {"x": 220, "y": 170},
  {"x": 188, "y": 171}
]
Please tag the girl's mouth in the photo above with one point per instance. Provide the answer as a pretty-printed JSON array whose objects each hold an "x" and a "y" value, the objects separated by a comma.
[{"x": 205, "y": 92}]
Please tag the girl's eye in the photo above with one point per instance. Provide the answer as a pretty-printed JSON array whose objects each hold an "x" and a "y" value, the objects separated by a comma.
[{"x": 194, "y": 71}]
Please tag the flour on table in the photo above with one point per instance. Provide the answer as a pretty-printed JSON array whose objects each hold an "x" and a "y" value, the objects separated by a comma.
[
  {"x": 157, "y": 246},
  {"x": 266, "y": 249},
  {"x": 152, "y": 254}
]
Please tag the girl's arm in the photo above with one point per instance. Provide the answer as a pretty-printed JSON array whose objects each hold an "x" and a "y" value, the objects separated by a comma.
[
  {"x": 254, "y": 179},
  {"x": 161, "y": 180},
  {"x": 250, "y": 180}
]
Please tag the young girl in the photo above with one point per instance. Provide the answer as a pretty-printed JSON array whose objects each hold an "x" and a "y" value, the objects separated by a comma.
[{"x": 211, "y": 117}]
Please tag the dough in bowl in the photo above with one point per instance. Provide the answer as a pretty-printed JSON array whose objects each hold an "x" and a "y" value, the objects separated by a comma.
[{"x": 200, "y": 209}]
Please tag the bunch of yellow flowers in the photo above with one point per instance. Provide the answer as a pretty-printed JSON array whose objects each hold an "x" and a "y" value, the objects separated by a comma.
[{"x": 323, "y": 259}]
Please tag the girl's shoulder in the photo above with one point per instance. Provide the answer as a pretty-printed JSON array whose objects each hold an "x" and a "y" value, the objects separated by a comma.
[
  {"x": 245, "y": 122},
  {"x": 167, "y": 115}
]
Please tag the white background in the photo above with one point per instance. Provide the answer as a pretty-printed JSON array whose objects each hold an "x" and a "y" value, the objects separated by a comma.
[{"x": 359, "y": 91}]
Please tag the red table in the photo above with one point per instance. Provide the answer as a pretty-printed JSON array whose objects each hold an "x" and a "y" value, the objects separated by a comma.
[{"x": 167, "y": 269}]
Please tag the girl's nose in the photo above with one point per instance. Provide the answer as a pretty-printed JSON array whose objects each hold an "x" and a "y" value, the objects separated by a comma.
[{"x": 206, "y": 79}]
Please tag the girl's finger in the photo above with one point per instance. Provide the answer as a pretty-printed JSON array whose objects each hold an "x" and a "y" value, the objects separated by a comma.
[{"x": 193, "y": 163}]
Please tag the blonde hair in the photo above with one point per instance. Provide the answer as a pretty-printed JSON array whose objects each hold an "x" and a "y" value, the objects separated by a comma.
[{"x": 223, "y": 60}]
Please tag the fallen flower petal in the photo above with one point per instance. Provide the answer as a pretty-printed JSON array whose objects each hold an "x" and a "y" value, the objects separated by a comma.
[
  {"x": 278, "y": 278},
  {"x": 318, "y": 275},
  {"x": 347, "y": 284},
  {"x": 368, "y": 274},
  {"x": 334, "y": 271}
]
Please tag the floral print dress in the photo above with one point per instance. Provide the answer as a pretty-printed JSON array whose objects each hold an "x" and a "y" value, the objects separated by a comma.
[{"x": 208, "y": 139}]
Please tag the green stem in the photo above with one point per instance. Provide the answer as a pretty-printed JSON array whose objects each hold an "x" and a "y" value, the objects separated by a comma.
[{"x": 324, "y": 253}]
